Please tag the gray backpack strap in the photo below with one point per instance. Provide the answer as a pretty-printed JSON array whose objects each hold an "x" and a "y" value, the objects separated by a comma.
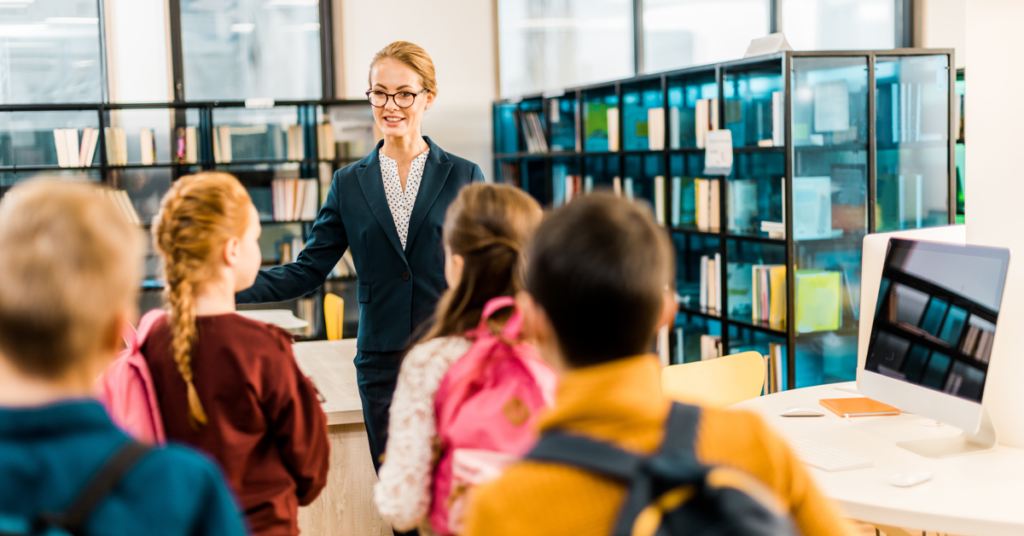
[
  {"x": 109, "y": 475},
  {"x": 589, "y": 454}
]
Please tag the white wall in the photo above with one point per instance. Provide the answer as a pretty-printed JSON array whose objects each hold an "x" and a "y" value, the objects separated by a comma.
[
  {"x": 944, "y": 26},
  {"x": 996, "y": 112},
  {"x": 459, "y": 36}
]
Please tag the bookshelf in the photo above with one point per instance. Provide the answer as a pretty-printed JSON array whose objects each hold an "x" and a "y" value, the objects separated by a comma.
[
  {"x": 827, "y": 147},
  {"x": 284, "y": 153},
  {"x": 961, "y": 148}
]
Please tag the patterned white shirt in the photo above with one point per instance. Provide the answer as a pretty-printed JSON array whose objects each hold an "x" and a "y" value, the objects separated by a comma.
[{"x": 401, "y": 203}]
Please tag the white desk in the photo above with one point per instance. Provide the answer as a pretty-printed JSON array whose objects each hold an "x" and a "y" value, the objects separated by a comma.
[
  {"x": 345, "y": 507},
  {"x": 975, "y": 495}
]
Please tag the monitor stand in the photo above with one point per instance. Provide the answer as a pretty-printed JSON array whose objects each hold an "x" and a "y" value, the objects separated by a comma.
[{"x": 965, "y": 443}]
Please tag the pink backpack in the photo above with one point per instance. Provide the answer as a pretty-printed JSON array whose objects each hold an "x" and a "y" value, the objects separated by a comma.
[
  {"x": 126, "y": 387},
  {"x": 487, "y": 407}
]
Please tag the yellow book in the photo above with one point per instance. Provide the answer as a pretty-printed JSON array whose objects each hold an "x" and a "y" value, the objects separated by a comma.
[
  {"x": 819, "y": 300},
  {"x": 777, "y": 308}
]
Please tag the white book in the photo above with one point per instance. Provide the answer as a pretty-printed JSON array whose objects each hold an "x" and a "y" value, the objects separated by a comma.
[
  {"x": 60, "y": 141},
  {"x": 656, "y": 128},
  {"x": 714, "y": 211},
  {"x": 191, "y": 149},
  {"x": 146, "y": 146},
  {"x": 588, "y": 184},
  {"x": 704, "y": 282},
  {"x": 703, "y": 196},
  {"x": 701, "y": 122},
  {"x": 778, "y": 119},
  {"x": 718, "y": 282},
  {"x": 277, "y": 198},
  {"x": 673, "y": 128},
  {"x": 299, "y": 197},
  {"x": 713, "y": 283},
  {"x": 617, "y": 186},
  {"x": 110, "y": 142},
  {"x": 627, "y": 186},
  {"x": 84, "y": 147},
  {"x": 555, "y": 114},
  {"x": 90, "y": 155},
  {"x": 327, "y": 140},
  {"x": 71, "y": 135},
  {"x": 126, "y": 201},
  {"x": 680, "y": 356},
  {"x": 895, "y": 90},
  {"x": 677, "y": 200},
  {"x": 225, "y": 143},
  {"x": 613, "y": 129},
  {"x": 713, "y": 113},
  {"x": 312, "y": 201},
  {"x": 569, "y": 185},
  {"x": 122, "y": 146},
  {"x": 659, "y": 199}
]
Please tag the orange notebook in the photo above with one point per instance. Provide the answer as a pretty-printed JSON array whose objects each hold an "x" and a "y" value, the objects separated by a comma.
[{"x": 858, "y": 407}]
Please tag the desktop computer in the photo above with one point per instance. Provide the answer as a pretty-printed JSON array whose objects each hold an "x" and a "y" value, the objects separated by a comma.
[{"x": 931, "y": 334}]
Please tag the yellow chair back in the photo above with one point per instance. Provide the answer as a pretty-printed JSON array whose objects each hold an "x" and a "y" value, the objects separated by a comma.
[
  {"x": 334, "y": 315},
  {"x": 715, "y": 383}
]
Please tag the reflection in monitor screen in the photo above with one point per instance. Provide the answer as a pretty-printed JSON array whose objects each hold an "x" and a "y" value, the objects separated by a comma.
[{"x": 935, "y": 319}]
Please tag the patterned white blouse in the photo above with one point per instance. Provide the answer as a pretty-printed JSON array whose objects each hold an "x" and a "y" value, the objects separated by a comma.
[
  {"x": 401, "y": 203},
  {"x": 403, "y": 494}
]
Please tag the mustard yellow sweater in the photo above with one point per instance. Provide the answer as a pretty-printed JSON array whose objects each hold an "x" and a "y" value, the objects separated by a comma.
[{"x": 621, "y": 402}]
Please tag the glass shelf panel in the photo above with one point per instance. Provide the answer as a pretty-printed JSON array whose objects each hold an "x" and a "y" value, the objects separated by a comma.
[
  {"x": 145, "y": 187},
  {"x": 746, "y": 259},
  {"x": 638, "y": 182},
  {"x": 912, "y": 111},
  {"x": 565, "y": 179},
  {"x": 597, "y": 105},
  {"x": 684, "y": 339},
  {"x": 30, "y": 138},
  {"x": 506, "y": 134},
  {"x": 754, "y": 192},
  {"x": 562, "y": 116},
  {"x": 830, "y": 194},
  {"x": 535, "y": 180},
  {"x": 258, "y": 134},
  {"x": 274, "y": 236},
  {"x": 830, "y": 101},
  {"x": 682, "y": 200},
  {"x": 690, "y": 250},
  {"x": 156, "y": 128},
  {"x": 354, "y": 130},
  {"x": 683, "y": 93},
  {"x": 640, "y": 101},
  {"x": 10, "y": 178},
  {"x": 743, "y": 339},
  {"x": 754, "y": 105}
]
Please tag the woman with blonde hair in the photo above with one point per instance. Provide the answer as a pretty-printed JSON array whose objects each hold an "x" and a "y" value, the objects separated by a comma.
[
  {"x": 388, "y": 208},
  {"x": 227, "y": 385}
]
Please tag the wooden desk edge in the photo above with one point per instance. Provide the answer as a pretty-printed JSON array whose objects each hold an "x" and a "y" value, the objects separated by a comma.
[{"x": 345, "y": 417}]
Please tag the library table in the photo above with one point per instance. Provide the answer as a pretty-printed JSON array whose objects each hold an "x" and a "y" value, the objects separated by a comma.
[
  {"x": 973, "y": 495},
  {"x": 345, "y": 507}
]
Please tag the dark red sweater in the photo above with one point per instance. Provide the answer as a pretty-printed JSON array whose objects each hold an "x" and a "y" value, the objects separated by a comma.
[{"x": 265, "y": 424}]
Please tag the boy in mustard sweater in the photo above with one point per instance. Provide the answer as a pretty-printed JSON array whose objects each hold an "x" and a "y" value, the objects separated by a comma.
[{"x": 596, "y": 292}]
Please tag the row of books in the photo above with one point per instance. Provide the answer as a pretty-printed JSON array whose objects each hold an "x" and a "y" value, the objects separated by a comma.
[
  {"x": 978, "y": 343},
  {"x": 295, "y": 199},
  {"x": 906, "y": 103},
  {"x": 124, "y": 204},
  {"x": 602, "y": 124},
  {"x": 707, "y": 204},
  {"x": 706, "y": 119},
  {"x": 774, "y": 369},
  {"x": 533, "y": 132},
  {"x": 710, "y": 282},
  {"x": 69, "y": 152},
  {"x": 346, "y": 267},
  {"x": 186, "y": 149},
  {"x": 510, "y": 174},
  {"x": 288, "y": 249},
  {"x": 768, "y": 295}
]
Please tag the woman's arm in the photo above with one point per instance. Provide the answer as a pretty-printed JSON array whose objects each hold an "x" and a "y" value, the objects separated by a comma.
[
  {"x": 403, "y": 494},
  {"x": 327, "y": 243}
]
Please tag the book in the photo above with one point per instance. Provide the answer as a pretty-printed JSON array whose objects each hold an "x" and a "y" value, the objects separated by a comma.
[
  {"x": 296, "y": 143},
  {"x": 596, "y": 121},
  {"x": 224, "y": 144},
  {"x": 702, "y": 196},
  {"x": 710, "y": 347},
  {"x": 588, "y": 184},
  {"x": 613, "y": 129},
  {"x": 71, "y": 148},
  {"x": 558, "y": 176},
  {"x": 812, "y": 208},
  {"x": 819, "y": 300},
  {"x": 679, "y": 356},
  {"x": 191, "y": 147},
  {"x": 740, "y": 289},
  {"x": 146, "y": 147},
  {"x": 627, "y": 188},
  {"x": 704, "y": 282},
  {"x": 659, "y": 199},
  {"x": 84, "y": 156},
  {"x": 717, "y": 286},
  {"x": 714, "y": 211},
  {"x": 673, "y": 128},
  {"x": 60, "y": 141},
  {"x": 831, "y": 106},
  {"x": 326, "y": 146},
  {"x": 777, "y": 306},
  {"x": 701, "y": 122},
  {"x": 712, "y": 284},
  {"x": 675, "y": 212},
  {"x": 656, "y": 128},
  {"x": 857, "y": 407},
  {"x": 778, "y": 119},
  {"x": 743, "y": 206},
  {"x": 617, "y": 186}
]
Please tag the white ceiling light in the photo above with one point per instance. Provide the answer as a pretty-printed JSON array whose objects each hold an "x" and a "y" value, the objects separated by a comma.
[
  {"x": 72, "y": 20},
  {"x": 243, "y": 27}
]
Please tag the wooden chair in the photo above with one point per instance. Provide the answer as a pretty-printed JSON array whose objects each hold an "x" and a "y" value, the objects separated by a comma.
[
  {"x": 334, "y": 316},
  {"x": 715, "y": 383}
]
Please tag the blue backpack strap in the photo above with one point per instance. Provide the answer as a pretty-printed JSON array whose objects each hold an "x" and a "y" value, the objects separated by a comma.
[
  {"x": 108, "y": 476},
  {"x": 592, "y": 455},
  {"x": 681, "y": 429}
]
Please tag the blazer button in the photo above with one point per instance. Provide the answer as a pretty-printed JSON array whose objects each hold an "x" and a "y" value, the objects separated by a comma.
[{"x": 406, "y": 276}]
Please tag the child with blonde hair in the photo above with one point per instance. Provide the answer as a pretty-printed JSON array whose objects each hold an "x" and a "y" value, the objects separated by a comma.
[
  {"x": 228, "y": 385},
  {"x": 69, "y": 276}
]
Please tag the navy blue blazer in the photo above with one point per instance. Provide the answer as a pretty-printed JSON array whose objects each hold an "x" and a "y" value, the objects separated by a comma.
[{"x": 397, "y": 290}]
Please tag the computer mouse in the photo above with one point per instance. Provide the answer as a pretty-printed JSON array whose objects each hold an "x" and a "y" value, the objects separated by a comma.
[
  {"x": 801, "y": 412},
  {"x": 909, "y": 478}
]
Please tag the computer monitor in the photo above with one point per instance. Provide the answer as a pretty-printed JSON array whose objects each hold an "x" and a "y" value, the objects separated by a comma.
[{"x": 932, "y": 334}]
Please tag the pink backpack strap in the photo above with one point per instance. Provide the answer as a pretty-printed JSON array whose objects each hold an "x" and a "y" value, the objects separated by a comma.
[
  {"x": 515, "y": 322},
  {"x": 145, "y": 325}
]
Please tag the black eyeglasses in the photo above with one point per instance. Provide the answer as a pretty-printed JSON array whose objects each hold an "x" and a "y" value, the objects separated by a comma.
[{"x": 403, "y": 99}]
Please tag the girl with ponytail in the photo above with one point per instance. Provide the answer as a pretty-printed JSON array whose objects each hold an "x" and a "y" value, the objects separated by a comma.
[
  {"x": 228, "y": 385},
  {"x": 485, "y": 231}
]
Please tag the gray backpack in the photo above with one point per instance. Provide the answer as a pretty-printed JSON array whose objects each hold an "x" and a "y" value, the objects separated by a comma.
[{"x": 671, "y": 493}]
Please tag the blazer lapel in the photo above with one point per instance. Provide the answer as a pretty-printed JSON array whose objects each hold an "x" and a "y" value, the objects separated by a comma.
[
  {"x": 372, "y": 183},
  {"x": 435, "y": 174}
]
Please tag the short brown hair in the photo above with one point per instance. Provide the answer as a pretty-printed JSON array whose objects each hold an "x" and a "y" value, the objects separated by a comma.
[
  {"x": 412, "y": 55},
  {"x": 599, "y": 268},
  {"x": 70, "y": 263}
]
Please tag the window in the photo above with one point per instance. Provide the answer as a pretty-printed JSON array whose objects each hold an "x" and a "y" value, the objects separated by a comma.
[
  {"x": 50, "y": 52},
  {"x": 681, "y": 33},
  {"x": 839, "y": 24},
  {"x": 137, "y": 48},
  {"x": 238, "y": 49},
  {"x": 546, "y": 44}
]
